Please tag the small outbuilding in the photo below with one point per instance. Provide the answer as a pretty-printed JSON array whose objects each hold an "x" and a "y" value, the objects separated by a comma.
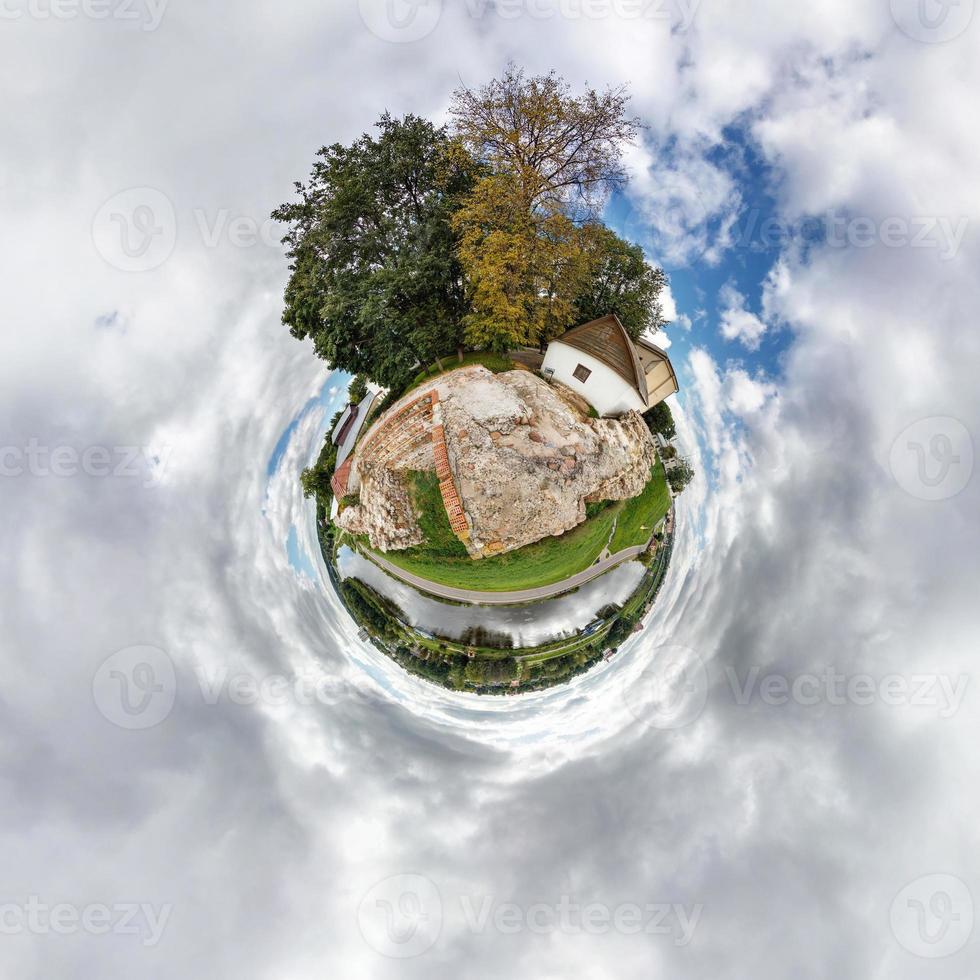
[{"x": 612, "y": 372}]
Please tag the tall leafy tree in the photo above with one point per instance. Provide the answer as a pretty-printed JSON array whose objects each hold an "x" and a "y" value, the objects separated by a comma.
[
  {"x": 551, "y": 159},
  {"x": 680, "y": 475},
  {"x": 523, "y": 269},
  {"x": 375, "y": 280},
  {"x": 620, "y": 281},
  {"x": 565, "y": 151}
]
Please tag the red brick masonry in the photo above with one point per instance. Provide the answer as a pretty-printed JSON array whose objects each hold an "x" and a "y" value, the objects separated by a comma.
[{"x": 405, "y": 427}]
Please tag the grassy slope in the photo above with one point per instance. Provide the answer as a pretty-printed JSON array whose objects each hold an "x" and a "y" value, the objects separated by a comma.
[
  {"x": 440, "y": 541},
  {"x": 444, "y": 558},
  {"x": 640, "y": 515}
]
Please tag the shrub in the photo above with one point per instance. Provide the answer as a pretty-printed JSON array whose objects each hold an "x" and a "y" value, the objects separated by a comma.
[
  {"x": 357, "y": 390},
  {"x": 659, "y": 419}
]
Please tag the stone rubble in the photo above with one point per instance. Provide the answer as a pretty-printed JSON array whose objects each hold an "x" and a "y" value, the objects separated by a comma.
[{"x": 525, "y": 459}]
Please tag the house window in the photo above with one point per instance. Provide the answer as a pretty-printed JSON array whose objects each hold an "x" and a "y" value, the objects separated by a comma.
[{"x": 581, "y": 373}]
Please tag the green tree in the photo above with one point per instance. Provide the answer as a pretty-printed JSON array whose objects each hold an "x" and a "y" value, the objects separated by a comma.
[
  {"x": 375, "y": 278},
  {"x": 680, "y": 476},
  {"x": 660, "y": 419},
  {"x": 316, "y": 478},
  {"x": 314, "y": 481},
  {"x": 476, "y": 672},
  {"x": 357, "y": 390},
  {"x": 620, "y": 281}
]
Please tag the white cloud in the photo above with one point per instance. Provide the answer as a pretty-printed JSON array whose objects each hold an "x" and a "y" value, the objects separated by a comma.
[
  {"x": 797, "y": 549},
  {"x": 744, "y": 394},
  {"x": 671, "y": 313},
  {"x": 738, "y": 323}
]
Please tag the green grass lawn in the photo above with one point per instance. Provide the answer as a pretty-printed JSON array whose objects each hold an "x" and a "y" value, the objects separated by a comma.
[
  {"x": 640, "y": 515},
  {"x": 440, "y": 542},
  {"x": 443, "y": 558}
]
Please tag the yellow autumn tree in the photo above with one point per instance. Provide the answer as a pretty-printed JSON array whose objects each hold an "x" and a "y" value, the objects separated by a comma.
[
  {"x": 524, "y": 267},
  {"x": 551, "y": 159}
]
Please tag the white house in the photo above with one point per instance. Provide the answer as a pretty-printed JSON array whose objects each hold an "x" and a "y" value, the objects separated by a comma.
[{"x": 613, "y": 373}]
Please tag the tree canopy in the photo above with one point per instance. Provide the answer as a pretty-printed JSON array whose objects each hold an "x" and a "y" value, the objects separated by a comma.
[
  {"x": 551, "y": 160},
  {"x": 418, "y": 240},
  {"x": 563, "y": 151},
  {"x": 376, "y": 281},
  {"x": 680, "y": 475},
  {"x": 357, "y": 390},
  {"x": 661, "y": 419},
  {"x": 620, "y": 281},
  {"x": 523, "y": 270}
]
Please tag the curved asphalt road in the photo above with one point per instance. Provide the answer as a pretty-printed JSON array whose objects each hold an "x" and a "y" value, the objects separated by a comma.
[{"x": 508, "y": 598}]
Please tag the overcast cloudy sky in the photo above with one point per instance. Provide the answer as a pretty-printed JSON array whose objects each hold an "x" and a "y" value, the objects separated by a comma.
[{"x": 797, "y": 798}]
